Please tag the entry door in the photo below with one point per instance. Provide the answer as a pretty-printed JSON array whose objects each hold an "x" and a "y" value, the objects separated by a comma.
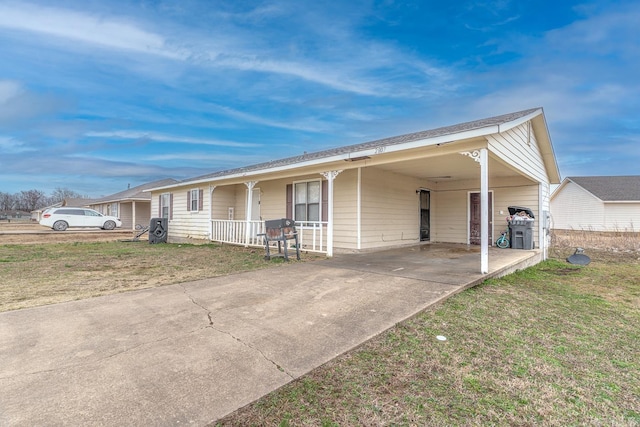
[
  {"x": 474, "y": 218},
  {"x": 425, "y": 216},
  {"x": 255, "y": 205}
]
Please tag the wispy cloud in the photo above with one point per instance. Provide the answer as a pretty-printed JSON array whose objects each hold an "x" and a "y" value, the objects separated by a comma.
[
  {"x": 83, "y": 27},
  {"x": 164, "y": 138}
]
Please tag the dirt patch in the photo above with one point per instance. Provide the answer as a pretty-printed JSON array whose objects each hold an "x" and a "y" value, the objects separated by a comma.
[{"x": 28, "y": 233}]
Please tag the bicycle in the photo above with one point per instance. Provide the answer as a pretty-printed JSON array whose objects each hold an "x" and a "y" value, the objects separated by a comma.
[{"x": 503, "y": 242}]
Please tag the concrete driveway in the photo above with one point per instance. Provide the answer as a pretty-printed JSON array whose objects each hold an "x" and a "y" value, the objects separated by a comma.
[{"x": 194, "y": 352}]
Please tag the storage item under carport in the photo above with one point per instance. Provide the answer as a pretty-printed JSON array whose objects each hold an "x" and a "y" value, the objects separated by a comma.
[{"x": 521, "y": 227}]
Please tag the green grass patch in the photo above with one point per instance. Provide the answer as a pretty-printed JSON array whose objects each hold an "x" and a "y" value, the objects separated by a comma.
[{"x": 554, "y": 344}]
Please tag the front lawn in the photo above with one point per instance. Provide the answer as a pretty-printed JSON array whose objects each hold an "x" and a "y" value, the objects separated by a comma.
[{"x": 555, "y": 345}]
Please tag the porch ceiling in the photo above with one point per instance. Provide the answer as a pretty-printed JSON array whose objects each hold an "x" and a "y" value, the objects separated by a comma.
[{"x": 450, "y": 167}]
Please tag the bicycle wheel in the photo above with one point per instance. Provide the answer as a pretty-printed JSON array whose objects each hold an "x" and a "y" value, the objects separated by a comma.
[{"x": 502, "y": 242}]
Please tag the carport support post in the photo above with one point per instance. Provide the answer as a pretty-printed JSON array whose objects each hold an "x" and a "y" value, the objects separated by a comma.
[
  {"x": 247, "y": 233},
  {"x": 211, "y": 190},
  {"x": 330, "y": 176},
  {"x": 484, "y": 212}
]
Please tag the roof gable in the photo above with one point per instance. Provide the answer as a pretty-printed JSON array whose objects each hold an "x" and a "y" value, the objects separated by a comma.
[{"x": 610, "y": 188}]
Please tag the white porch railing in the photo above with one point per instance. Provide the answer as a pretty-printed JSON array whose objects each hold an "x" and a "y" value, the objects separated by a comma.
[
  {"x": 235, "y": 232},
  {"x": 311, "y": 234}
]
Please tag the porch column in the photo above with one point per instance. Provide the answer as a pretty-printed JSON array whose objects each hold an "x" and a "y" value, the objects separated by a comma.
[
  {"x": 484, "y": 211},
  {"x": 330, "y": 176},
  {"x": 481, "y": 156},
  {"x": 211, "y": 188},
  {"x": 247, "y": 234},
  {"x": 133, "y": 215}
]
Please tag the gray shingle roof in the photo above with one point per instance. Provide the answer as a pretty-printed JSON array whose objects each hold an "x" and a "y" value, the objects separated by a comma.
[
  {"x": 401, "y": 139},
  {"x": 136, "y": 192},
  {"x": 610, "y": 188}
]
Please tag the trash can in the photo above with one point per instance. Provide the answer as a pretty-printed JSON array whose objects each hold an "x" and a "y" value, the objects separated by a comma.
[
  {"x": 521, "y": 227},
  {"x": 158, "y": 230}
]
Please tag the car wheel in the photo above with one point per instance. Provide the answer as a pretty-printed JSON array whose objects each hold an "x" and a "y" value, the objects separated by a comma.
[
  {"x": 109, "y": 225},
  {"x": 60, "y": 225}
]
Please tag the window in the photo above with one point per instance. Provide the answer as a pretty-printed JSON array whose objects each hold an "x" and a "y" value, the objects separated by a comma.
[
  {"x": 165, "y": 205},
  {"x": 307, "y": 201},
  {"x": 194, "y": 200},
  {"x": 112, "y": 209}
]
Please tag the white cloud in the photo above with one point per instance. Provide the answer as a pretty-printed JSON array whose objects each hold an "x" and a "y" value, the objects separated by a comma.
[
  {"x": 85, "y": 28},
  {"x": 164, "y": 138},
  {"x": 12, "y": 145}
]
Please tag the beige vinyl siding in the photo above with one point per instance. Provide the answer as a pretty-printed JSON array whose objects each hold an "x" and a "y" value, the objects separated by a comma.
[
  {"x": 143, "y": 213},
  {"x": 345, "y": 208},
  {"x": 273, "y": 198},
  {"x": 187, "y": 224},
  {"x": 449, "y": 213},
  {"x": 574, "y": 208},
  {"x": 125, "y": 214},
  {"x": 518, "y": 147},
  {"x": 450, "y": 207},
  {"x": 390, "y": 209},
  {"x": 224, "y": 197},
  {"x": 622, "y": 217}
]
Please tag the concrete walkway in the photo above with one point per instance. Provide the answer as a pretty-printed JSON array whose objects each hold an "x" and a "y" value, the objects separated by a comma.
[{"x": 194, "y": 352}]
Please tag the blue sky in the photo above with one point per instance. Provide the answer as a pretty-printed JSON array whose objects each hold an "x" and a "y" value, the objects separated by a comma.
[{"x": 96, "y": 95}]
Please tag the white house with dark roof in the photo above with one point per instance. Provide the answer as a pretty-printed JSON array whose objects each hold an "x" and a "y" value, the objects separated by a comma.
[
  {"x": 597, "y": 203},
  {"x": 132, "y": 206},
  {"x": 451, "y": 184}
]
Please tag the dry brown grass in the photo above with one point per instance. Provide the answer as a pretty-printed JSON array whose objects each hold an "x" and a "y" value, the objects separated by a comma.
[
  {"x": 39, "y": 274},
  {"x": 615, "y": 241}
]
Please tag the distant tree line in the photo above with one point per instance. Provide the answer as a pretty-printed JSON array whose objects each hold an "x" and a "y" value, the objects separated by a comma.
[{"x": 33, "y": 199}]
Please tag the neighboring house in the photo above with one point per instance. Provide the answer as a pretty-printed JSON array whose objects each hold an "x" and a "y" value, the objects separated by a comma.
[
  {"x": 451, "y": 184},
  {"x": 36, "y": 215},
  {"x": 15, "y": 215},
  {"x": 597, "y": 203},
  {"x": 132, "y": 206}
]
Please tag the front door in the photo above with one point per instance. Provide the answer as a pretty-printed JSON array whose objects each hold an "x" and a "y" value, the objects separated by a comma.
[
  {"x": 425, "y": 218},
  {"x": 255, "y": 205},
  {"x": 474, "y": 218}
]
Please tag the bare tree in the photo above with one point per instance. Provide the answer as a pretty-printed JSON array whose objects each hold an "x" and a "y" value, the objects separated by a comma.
[
  {"x": 61, "y": 194},
  {"x": 7, "y": 201},
  {"x": 31, "y": 199}
]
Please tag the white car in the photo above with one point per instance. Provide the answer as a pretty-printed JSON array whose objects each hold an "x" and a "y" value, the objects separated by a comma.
[{"x": 61, "y": 218}]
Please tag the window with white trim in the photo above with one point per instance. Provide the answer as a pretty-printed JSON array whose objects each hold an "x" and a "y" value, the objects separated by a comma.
[
  {"x": 307, "y": 200},
  {"x": 165, "y": 205},
  {"x": 195, "y": 200}
]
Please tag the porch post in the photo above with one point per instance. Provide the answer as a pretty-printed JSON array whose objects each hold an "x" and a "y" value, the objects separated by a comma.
[
  {"x": 211, "y": 188},
  {"x": 247, "y": 233},
  {"x": 330, "y": 176},
  {"x": 484, "y": 212},
  {"x": 481, "y": 156},
  {"x": 133, "y": 215}
]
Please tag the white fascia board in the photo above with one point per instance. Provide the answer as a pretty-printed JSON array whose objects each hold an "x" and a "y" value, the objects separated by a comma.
[
  {"x": 370, "y": 152},
  {"x": 515, "y": 123}
]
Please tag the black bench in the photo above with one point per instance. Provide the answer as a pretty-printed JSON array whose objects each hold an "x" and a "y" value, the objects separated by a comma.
[{"x": 280, "y": 230}]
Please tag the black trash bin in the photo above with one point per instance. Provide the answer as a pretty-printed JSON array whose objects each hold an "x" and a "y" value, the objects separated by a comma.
[
  {"x": 521, "y": 227},
  {"x": 158, "y": 230}
]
